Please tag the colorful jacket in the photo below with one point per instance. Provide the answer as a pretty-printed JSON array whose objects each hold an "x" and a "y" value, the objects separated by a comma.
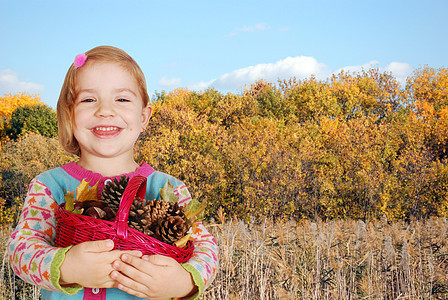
[{"x": 35, "y": 258}]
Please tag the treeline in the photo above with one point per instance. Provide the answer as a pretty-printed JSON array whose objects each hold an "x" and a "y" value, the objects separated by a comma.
[{"x": 358, "y": 145}]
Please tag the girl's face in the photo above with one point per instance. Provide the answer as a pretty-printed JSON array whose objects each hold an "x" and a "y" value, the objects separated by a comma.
[{"x": 108, "y": 112}]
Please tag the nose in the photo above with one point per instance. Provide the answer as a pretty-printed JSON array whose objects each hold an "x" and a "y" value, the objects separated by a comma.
[{"x": 105, "y": 109}]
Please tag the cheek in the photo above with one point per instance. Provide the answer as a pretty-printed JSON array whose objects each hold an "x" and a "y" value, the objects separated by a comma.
[
  {"x": 80, "y": 117},
  {"x": 79, "y": 124}
]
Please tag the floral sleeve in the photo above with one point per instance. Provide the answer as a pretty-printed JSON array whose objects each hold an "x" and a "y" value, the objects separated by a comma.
[
  {"x": 32, "y": 253},
  {"x": 204, "y": 262}
]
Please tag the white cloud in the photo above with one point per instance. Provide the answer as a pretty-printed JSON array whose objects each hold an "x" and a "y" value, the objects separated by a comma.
[
  {"x": 10, "y": 83},
  {"x": 203, "y": 85},
  {"x": 257, "y": 27},
  {"x": 401, "y": 71},
  {"x": 300, "y": 67},
  {"x": 169, "y": 82}
]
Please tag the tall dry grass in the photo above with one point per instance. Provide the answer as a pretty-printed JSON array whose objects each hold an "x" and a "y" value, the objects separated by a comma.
[{"x": 342, "y": 259}]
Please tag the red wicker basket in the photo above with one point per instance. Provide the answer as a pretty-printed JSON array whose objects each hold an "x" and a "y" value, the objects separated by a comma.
[{"x": 73, "y": 229}]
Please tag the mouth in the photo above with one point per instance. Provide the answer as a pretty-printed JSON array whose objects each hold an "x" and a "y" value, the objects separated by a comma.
[{"x": 106, "y": 131}]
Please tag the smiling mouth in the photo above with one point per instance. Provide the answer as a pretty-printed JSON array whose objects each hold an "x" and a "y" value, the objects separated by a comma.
[{"x": 106, "y": 131}]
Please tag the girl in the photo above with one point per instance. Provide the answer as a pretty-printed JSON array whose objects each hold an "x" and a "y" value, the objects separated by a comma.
[{"x": 102, "y": 109}]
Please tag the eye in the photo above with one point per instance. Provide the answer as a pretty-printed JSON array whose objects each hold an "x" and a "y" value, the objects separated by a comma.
[
  {"x": 123, "y": 100},
  {"x": 88, "y": 100}
]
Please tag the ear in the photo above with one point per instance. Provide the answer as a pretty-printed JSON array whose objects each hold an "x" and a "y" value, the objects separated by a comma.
[{"x": 146, "y": 115}]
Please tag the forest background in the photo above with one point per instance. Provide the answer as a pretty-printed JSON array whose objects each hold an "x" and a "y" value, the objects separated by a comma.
[{"x": 357, "y": 145}]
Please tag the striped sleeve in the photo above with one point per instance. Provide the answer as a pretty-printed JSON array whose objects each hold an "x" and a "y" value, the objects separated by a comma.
[
  {"x": 203, "y": 265},
  {"x": 31, "y": 246}
]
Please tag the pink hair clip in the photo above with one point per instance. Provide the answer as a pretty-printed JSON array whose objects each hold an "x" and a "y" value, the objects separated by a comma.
[{"x": 80, "y": 60}]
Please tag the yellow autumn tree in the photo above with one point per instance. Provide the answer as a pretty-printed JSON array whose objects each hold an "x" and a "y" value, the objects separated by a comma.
[
  {"x": 20, "y": 162},
  {"x": 9, "y": 103},
  {"x": 427, "y": 91},
  {"x": 182, "y": 142}
]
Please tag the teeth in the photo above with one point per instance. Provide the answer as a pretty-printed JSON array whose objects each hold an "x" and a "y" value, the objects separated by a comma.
[{"x": 110, "y": 128}]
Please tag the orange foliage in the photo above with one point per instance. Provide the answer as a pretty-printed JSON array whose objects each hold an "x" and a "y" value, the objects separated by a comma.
[
  {"x": 428, "y": 91},
  {"x": 357, "y": 145},
  {"x": 9, "y": 102}
]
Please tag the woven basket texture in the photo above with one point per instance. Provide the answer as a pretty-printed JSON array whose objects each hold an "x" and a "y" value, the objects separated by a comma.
[{"x": 73, "y": 229}]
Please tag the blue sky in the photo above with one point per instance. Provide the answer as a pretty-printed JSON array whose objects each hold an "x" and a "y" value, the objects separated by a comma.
[{"x": 220, "y": 44}]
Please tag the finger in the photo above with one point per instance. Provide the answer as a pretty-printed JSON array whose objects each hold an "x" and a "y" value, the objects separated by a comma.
[
  {"x": 98, "y": 246},
  {"x": 129, "y": 285},
  {"x": 136, "y": 253},
  {"x": 134, "y": 267},
  {"x": 160, "y": 260},
  {"x": 107, "y": 258}
]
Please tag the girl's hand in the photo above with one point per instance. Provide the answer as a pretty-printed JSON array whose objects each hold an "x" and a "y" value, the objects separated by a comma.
[
  {"x": 154, "y": 277},
  {"x": 90, "y": 263}
]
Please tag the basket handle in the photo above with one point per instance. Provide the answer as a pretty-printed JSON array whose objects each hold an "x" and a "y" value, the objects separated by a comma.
[{"x": 136, "y": 187}]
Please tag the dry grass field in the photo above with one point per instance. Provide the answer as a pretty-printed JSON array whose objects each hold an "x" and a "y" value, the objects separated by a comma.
[
  {"x": 341, "y": 259},
  {"x": 332, "y": 260}
]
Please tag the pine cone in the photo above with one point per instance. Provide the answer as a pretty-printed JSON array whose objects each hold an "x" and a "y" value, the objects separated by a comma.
[
  {"x": 170, "y": 229},
  {"x": 157, "y": 209},
  {"x": 113, "y": 190},
  {"x": 143, "y": 216},
  {"x": 137, "y": 216},
  {"x": 176, "y": 210}
]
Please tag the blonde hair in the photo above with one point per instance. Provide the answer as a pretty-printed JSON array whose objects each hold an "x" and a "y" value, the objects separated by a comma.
[{"x": 103, "y": 54}]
